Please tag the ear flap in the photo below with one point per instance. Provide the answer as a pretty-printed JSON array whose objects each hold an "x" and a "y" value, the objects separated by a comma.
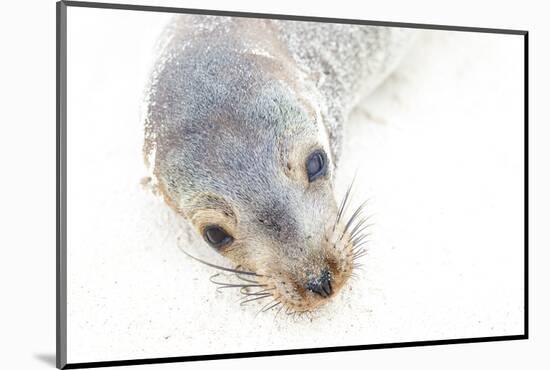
[{"x": 149, "y": 183}]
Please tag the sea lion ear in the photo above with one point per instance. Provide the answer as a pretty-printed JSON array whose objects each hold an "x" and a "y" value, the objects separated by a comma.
[{"x": 149, "y": 183}]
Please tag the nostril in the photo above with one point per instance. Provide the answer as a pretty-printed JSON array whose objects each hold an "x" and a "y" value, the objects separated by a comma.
[
  {"x": 327, "y": 288},
  {"x": 321, "y": 285}
]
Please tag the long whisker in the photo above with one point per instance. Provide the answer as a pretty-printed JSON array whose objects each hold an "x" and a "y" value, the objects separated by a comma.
[
  {"x": 359, "y": 254},
  {"x": 344, "y": 203},
  {"x": 357, "y": 251},
  {"x": 361, "y": 244},
  {"x": 221, "y": 267},
  {"x": 267, "y": 304},
  {"x": 358, "y": 211},
  {"x": 278, "y": 312},
  {"x": 359, "y": 238},
  {"x": 255, "y": 299},
  {"x": 246, "y": 294},
  {"x": 229, "y": 286},
  {"x": 355, "y": 238},
  {"x": 272, "y": 306},
  {"x": 225, "y": 285},
  {"x": 353, "y": 217},
  {"x": 247, "y": 280},
  {"x": 357, "y": 229}
]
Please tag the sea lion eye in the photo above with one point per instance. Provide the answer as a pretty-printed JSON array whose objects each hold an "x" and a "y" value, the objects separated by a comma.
[
  {"x": 217, "y": 236},
  {"x": 316, "y": 165}
]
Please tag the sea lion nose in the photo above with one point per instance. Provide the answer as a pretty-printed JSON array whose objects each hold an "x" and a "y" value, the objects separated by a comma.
[{"x": 321, "y": 284}]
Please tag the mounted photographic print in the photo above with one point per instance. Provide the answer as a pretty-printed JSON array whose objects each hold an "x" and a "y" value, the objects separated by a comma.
[{"x": 237, "y": 184}]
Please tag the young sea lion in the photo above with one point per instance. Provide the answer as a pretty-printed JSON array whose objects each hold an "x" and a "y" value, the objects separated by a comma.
[{"x": 243, "y": 132}]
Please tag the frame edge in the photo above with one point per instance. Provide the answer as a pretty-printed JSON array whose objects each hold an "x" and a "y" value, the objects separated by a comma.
[{"x": 61, "y": 184}]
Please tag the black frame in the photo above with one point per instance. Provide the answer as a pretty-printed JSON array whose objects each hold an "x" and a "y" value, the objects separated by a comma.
[{"x": 61, "y": 174}]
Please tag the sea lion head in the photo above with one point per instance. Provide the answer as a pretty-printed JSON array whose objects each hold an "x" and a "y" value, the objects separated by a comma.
[{"x": 239, "y": 148}]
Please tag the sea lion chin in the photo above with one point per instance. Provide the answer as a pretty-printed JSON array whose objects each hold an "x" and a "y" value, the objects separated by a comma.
[{"x": 243, "y": 134}]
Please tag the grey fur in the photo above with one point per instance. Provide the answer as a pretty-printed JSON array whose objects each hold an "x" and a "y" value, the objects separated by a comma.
[
  {"x": 201, "y": 75},
  {"x": 230, "y": 100}
]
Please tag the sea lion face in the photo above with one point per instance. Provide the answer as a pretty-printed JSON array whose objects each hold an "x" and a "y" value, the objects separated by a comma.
[{"x": 252, "y": 170}]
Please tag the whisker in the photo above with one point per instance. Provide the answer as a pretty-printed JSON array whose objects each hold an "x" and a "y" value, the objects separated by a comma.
[
  {"x": 352, "y": 218},
  {"x": 225, "y": 285},
  {"x": 263, "y": 308},
  {"x": 358, "y": 211},
  {"x": 271, "y": 307},
  {"x": 255, "y": 299},
  {"x": 247, "y": 280},
  {"x": 356, "y": 229},
  {"x": 357, "y": 257},
  {"x": 221, "y": 267},
  {"x": 359, "y": 251},
  {"x": 278, "y": 312},
  {"x": 267, "y": 304},
  {"x": 360, "y": 238},
  {"x": 359, "y": 254},
  {"x": 344, "y": 202},
  {"x": 364, "y": 242},
  {"x": 246, "y": 294}
]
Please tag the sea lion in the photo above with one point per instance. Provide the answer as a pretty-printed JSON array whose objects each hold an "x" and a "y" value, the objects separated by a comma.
[{"x": 243, "y": 130}]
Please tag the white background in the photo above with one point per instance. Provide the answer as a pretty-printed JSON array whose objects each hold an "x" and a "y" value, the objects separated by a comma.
[
  {"x": 28, "y": 186},
  {"x": 437, "y": 150}
]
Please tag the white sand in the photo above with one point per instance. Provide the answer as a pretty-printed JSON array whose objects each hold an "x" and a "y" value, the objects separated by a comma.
[{"x": 438, "y": 149}]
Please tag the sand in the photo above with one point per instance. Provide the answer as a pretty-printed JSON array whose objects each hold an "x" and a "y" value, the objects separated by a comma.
[{"x": 437, "y": 148}]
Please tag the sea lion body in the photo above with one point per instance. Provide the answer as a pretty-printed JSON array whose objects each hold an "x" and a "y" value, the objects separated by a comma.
[{"x": 239, "y": 114}]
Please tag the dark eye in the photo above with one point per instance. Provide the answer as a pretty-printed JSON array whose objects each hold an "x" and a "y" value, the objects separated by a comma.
[
  {"x": 316, "y": 165},
  {"x": 217, "y": 236}
]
